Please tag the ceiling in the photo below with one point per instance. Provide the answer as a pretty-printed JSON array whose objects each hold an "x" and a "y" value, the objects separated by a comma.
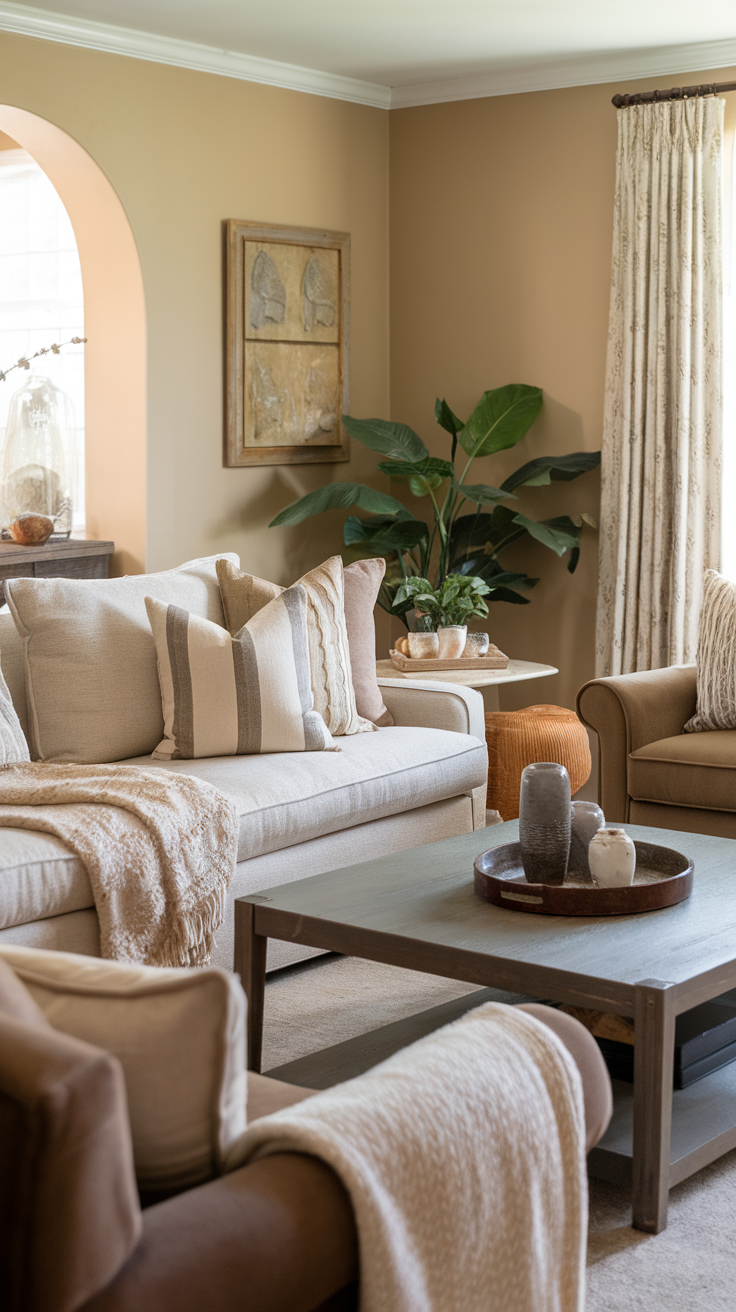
[{"x": 407, "y": 43}]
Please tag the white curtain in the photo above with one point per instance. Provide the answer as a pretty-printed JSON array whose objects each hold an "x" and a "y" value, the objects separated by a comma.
[{"x": 661, "y": 465}]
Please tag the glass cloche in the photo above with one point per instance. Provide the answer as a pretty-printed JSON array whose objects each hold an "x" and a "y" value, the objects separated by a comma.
[{"x": 38, "y": 454}]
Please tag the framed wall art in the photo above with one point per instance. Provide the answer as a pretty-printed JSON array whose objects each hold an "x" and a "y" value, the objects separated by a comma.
[{"x": 287, "y": 296}]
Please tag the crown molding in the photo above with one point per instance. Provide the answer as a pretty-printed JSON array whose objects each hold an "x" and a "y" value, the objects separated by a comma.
[
  {"x": 573, "y": 71},
  {"x": 538, "y": 75},
  {"x": 26, "y": 21}
]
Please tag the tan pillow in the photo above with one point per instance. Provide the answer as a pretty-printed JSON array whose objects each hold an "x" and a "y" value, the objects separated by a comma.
[
  {"x": 179, "y": 1036},
  {"x": 244, "y": 595},
  {"x": 362, "y": 581},
  {"x": 236, "y": 696},
  {"x": 90, "y": 659}
]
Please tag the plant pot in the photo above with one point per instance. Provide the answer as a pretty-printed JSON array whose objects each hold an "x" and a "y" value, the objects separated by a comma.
[
  {"x": 423, "y": 646},
  {"x": 452, "y": 641}
]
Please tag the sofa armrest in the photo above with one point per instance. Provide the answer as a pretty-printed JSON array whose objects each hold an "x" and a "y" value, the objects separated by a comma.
[
  {"x": 628, "y": 711},
  {"x": 434, "y": 705},
  {"x": 277, "y": 1235}
]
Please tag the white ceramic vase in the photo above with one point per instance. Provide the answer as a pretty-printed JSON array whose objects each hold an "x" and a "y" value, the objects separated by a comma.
[
  {"x": 423, "y": 646},
  {"x": 612, "y": 858},
  {"x": 452, "y": 641}
]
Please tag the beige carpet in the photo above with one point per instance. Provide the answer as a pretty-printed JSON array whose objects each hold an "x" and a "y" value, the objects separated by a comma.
[{"x": 690, "y": 1267}]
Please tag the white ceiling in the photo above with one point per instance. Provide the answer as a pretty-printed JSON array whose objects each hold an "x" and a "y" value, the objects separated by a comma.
[{"x": 402, "y": 43}]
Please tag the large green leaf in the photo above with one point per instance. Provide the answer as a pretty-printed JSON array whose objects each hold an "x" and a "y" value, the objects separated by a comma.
[
  {"x": 500, "y": 419},
  {"x": 337, "y": 496},
  {"x": 417, "y": 468},
  {"x": 537, "y": 473},
  {"x": 550, "y": 534},
  {"x": 469, "y": 531},
  {"x": 446, "y": 418},
  {"x": 395, "y": 440},
  {"x": 482, "y": 494},
  {"x": 382, "y": 535},
  {"x": 568, "y": 525}
]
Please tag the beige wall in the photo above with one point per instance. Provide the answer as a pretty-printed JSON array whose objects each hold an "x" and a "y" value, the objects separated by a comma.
[
  {"x": 501, "y": 226},
  {"x": 185, "y": 150}
]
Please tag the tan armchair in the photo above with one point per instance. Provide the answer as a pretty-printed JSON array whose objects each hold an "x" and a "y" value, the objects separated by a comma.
[
  {"x": 650, "y": 771},
  {"x": 277, "y": 1235}
]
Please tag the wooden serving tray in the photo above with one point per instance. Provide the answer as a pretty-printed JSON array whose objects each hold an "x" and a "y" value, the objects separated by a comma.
[
  {"x": 662, "y": 878},
  {"x": 495, "y": 660}
]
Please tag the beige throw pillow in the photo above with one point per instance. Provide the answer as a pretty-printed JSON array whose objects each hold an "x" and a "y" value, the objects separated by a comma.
[
  {"x": 235, "y": 696},
  {"x": 90, "y": 659},
  {"x": 362, "y": 582},
  {"x": 179, "y": 1036},
  {"x": 243, "y": 596},
  {"x": 716, "y": 658},
  {"x": 13, "y": 745}
]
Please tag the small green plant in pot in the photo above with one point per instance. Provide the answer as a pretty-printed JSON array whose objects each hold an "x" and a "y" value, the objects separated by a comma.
[{"x": 445, "y": 609}]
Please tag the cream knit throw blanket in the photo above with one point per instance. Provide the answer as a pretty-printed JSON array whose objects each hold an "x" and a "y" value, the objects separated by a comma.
[
  {"x": 159, "y": 849},
  {"x": 464, "y": 1157}
]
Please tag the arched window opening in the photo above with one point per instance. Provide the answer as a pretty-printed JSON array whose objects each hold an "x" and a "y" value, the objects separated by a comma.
[{"x": 41, "y": 298}]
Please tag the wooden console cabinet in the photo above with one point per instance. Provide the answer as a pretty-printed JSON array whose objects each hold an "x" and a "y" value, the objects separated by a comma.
[{"x": 72, "y": 558}]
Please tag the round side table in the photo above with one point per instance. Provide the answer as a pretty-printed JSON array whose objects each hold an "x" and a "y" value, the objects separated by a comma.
[{"x": 487, "y": 682}]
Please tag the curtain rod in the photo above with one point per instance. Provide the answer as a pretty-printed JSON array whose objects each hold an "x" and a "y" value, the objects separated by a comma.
[{"x": 674, "y": 93}]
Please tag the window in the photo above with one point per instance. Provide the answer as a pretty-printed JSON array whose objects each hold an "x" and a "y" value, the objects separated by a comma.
[{"x": 41, "y": 298}]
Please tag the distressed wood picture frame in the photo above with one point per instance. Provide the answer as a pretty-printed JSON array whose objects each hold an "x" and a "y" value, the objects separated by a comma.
[{"x": 287, "y": 344}]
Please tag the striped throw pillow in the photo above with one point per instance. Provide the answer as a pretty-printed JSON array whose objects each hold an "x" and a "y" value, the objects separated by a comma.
[
  {"x": 716, "y": 656},
  {"x": 241, "y": 695}
]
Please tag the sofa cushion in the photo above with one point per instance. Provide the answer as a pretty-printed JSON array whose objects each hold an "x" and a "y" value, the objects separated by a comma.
[
  {"x": 13, "y": 746},
  {"x": 282, "y": 800},
  {"x": 241, "y": 695},
  {"x": 288, "y": 799},
  {"x": 244, "y": 596},
  {"x": 362, "y": 582},
  {"x": 693, "y": 769},
  {"x": 179, "y": 1036},
  {"x": 90, "y": 660}
]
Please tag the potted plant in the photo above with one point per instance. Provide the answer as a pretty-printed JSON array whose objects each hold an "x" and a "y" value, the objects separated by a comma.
[
  {"x": 450, "y": 542},
  {"x": 445, "y": 609}
]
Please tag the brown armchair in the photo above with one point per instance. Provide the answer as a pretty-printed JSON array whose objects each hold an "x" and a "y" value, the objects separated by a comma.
[
  {"x": 277, "y": 1235},
  {"x": 650, "y": 771}
]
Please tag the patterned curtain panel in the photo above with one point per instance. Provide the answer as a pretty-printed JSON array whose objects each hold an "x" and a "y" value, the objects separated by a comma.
[{"x": 660, "y": 507}]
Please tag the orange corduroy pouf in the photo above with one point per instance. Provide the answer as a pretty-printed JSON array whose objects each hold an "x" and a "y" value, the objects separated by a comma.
[{"x": 519, "y": 738}]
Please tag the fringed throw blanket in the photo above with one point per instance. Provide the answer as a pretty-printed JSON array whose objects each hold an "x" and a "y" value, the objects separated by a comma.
[
  {"x": 464, "y": 1157},
  {"x": 159, "y": 849}
]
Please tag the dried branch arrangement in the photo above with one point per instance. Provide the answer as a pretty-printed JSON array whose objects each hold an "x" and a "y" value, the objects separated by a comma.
[{"x": 53, "y": 349}]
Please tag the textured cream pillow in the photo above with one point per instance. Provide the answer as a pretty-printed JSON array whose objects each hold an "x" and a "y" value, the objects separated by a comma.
[
  {"x": 244, "y": 595},
  {"x": 90, "y": 660},
  {"x": 179, "y": 1036},
  {"x": 236, "y": 696},
  {"x": 13, "y": 746},
  {"x": 716, "y": 658}
]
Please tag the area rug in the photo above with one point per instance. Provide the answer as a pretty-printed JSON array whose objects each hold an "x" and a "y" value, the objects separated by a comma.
[{"x": 690, "y": 1267}]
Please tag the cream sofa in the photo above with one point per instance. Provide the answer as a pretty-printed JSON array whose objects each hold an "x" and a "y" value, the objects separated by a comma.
[{"x": 300, "y": 813}]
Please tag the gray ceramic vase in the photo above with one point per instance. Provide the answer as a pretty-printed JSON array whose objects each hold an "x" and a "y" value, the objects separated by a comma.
[
  {"x": 586, "y": 819},
  {"x": 544, "y": 822}
]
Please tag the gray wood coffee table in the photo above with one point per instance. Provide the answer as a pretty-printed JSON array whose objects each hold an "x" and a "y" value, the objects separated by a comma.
[{"x": 417, "y": 909}]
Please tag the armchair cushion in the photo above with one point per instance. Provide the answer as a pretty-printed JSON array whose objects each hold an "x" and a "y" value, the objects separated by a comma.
[
  {"x": 694, "y": 769},
  {"x": 715, "y": 659},
  {"x": 179, "y": 1036}
]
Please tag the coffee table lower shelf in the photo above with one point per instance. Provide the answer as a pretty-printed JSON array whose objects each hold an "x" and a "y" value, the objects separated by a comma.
[{"x": 703, "y": 1129}]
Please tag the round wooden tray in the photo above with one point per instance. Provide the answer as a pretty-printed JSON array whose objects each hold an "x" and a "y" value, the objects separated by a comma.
[{"x": 662, "y": 878}]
